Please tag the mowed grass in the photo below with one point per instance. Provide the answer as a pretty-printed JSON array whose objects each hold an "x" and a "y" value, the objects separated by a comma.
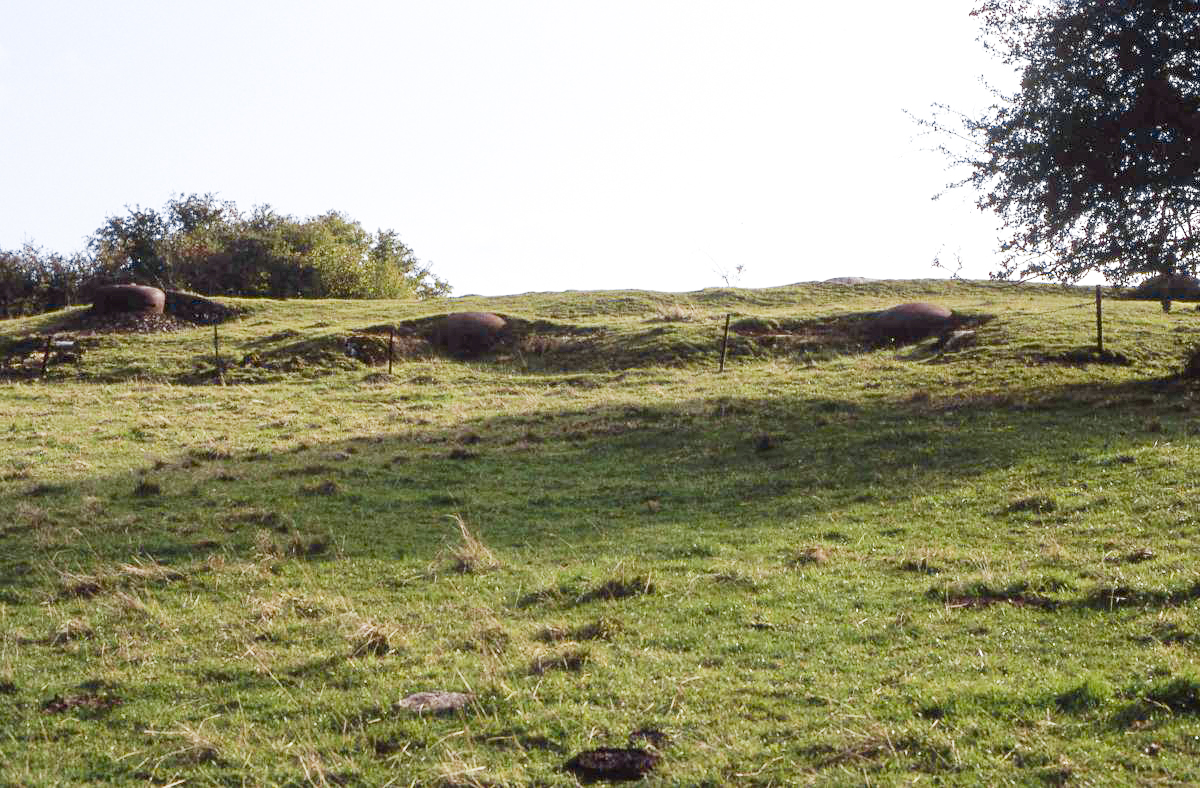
[{"x": 822, "y": 566}]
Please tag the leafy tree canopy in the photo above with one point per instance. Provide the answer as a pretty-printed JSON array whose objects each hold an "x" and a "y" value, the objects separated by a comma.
[
  {"x": 200, "y": 243},
  {"x": 1093, "y": 164}
]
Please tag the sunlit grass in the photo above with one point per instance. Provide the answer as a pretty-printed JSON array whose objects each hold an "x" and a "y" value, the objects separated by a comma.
[{"x": 832, "y": 567}]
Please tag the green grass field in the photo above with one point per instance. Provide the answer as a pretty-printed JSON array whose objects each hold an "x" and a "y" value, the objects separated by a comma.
[{"x": 826, "y": 565}]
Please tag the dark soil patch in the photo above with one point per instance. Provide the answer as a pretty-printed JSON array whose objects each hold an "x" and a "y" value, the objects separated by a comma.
[
  {"x": 568, "y": 660},
  {"x": 839, "y": 334},
  {"x": 987, "y": 600},
  {"x": 1087, "y": 355},
  {"x": 88, "y": 323},
  {"x": 654, "y": 738},
  {"x": 198, "y": 310},
  {"x": 146, "y": 489},
  {"x": 264, "y": 518},
  {"x": 83, "y": 586},
  {"x": 601, "y": 629},
  {"x": 90, "y": 702},
  {"x": 1140, "y": 555},
  {"x": 420, "y": 338},
  {"x": 1180, "y": 694},
  {"x": 921, "y": 567},
  {"x": 1191, "y": 364},
  {"x": 980, "y": 595},
  {"x": 327, "y": 487},
  {"x": 1112, "y": 597},
  {"x": 612, "y": 763},
  {"x": 618, "y": 588},
  {"x": 1033, "y": 504}
]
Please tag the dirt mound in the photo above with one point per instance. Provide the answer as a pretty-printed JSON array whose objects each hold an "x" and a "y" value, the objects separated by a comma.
[
  {"x": 180, "y": 310},
  {"x": 90, "y": 322},
  {"x": 855, "y": 332},
  {"x": 468, "y": 334},
  {"x": 1178, "y": 287},
  {"x": 909, "y": 323},
  {"x": 423, "y": 336},
  {"x": 198, "y": 310},
  {"x": 850, "y": 280}
]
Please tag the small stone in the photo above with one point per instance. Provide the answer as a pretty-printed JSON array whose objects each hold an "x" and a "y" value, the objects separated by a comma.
[{"x": 436, "y": 702}]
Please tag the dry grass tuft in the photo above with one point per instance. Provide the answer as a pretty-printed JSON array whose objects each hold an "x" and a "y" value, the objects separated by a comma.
[
  {"x": 370, "y": 640},
  {"x": 265, "y": 518},
  {"x": 737, "y": 578},
  {"x": 567, "y": 659},
  {"x": 600, "y": 629},
  {"x": 265, "y": 546},
  {"x": 150, "y": 571},
  {"x": 29, "y": 516},
  {"x": 86, "y": 586},
  {"x": 131, "y": 603},
  {"x": 324, "y": 488},
  {"x": 318, "y": 772},
  {"x": 195, "y": 747},
  {"x": 489, "y": 637},
  {"x": 809, "y": 556},
  {"x": 287, "y": 602},
  {"x": 673, "y": 313},
  {"x": 71, "y": 630},
  {"x": 455, "y": 770},
  {"x": 80, "y": 585},
  {"x": 470, "y": 555}
]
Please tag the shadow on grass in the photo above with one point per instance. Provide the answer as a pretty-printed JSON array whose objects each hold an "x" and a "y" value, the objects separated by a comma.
[{"x": 604, "y": 479}]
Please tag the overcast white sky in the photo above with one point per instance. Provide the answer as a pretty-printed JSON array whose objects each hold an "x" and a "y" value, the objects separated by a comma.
[{"x": 515, "y": 145}]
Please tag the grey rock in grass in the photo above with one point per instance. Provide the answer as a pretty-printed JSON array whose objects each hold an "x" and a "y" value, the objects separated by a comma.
[
  {"x": 910, "y": 322},
  {"x": 436, "y": 702},
  {"x": 850, "y": 280},
  {"x": 114, "y": 299},
  {"x": 466, "y": 334}
]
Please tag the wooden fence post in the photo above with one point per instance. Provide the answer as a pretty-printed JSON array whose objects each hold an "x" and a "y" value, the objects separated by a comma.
[
  {"x": 217, "y": 356},
  {"x": 1099, "y": 324},
  {"x": 46, "y": 355},
  {"x": 724, "y": 343},
  {"x": 391, "y": 346}
]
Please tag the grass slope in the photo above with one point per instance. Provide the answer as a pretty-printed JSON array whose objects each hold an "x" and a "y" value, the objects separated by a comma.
[{"x": 829, "y": 564}]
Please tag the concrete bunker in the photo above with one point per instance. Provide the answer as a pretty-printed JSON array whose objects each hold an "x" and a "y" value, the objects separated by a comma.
[{"x": 128, "y": 299}]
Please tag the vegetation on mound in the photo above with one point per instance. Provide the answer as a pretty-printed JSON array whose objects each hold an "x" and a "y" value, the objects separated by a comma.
[{"x": 863, "y": 566}]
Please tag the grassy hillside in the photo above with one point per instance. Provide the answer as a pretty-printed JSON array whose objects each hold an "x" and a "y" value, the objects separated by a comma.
[{"x": 829, "y": 564}]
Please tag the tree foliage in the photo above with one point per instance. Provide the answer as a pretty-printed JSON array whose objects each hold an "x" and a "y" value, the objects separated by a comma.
[
  {"x": 33, "y": 280},
  {"x": 1093, "y": 164},
  {"x": 199, "y": 243}
]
